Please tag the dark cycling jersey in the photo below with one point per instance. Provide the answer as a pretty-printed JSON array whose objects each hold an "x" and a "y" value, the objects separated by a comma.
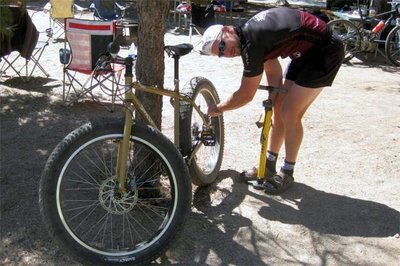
[{"x": 278, "y": 32}]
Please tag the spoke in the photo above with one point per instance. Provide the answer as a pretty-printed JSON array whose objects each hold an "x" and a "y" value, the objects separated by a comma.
[
  {"x": 123, "y": 231},
  {"x": 148, "y": 217},
  {"x": 82, "y": 181},
  {"x": 125, "y": 218},
  {"x": 82, "y": 207},
  {"x": 104, "y": 231},
  {"x": 138, "y": 224},
  {"x": 90, "y": 175},
  {"x": 132, "y": 227},
  {"x": 83, "y": 210},
  {"x": 77, "y": 200},
  {"x": 107, "y": 172},
  {"x": 141, "y": 180},
  {"x": 85, "y": 218},
  {"x": 95, "y": 224},
  {"x": 79, "y": 189},
  {"x": 149, "y": 180},
  {"x": 111, "y": 231},
  {"x": 154, "y": 209},
  {"x": 92, "y": 162},
  {"x": 144, "y": 159}
]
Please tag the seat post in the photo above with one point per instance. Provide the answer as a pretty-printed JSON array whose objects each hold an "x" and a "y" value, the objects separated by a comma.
[
  {"x": 176, "y": 101},
  {"x": 176, "y": 66}
]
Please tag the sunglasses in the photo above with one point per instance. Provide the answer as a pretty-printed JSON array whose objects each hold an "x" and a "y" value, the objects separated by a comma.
[{"x": 221, "y": 48}]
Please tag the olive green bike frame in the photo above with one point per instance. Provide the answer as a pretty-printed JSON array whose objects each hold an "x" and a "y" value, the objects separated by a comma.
[{"x": 132, "y": 102}]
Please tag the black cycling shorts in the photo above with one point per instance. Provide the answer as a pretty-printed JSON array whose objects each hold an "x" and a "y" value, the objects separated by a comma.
[{"x": 319, "y": 66}]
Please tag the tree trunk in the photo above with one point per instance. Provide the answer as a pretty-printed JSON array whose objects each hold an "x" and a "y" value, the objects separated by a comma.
[{"x": 150, "y": 60}]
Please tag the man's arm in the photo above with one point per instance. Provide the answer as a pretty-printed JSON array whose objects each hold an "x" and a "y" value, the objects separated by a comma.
[
  {"x": 273, "y": 71},
  {"x": 239, "y": 98}
]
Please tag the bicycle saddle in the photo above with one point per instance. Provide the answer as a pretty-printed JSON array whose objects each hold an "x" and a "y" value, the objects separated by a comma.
[{"x": 179, "y": 49}]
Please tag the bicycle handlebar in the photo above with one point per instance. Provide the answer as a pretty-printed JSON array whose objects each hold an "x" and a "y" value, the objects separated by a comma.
[
  {"x": 111, "y": 56},
  {"x": 113, "y": 47}
]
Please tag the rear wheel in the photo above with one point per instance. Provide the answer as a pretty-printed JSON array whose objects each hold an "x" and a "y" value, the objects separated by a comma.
[
  {"x": 350, "y": 36},
  {"x": 205, "y": 164},
  {"x": 392, "y": 46},
  {"x": 90, "y": 219}
]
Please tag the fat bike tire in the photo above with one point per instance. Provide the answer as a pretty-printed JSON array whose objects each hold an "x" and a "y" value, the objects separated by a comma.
[
  {"x": 89, "y": 219},
  {"x": 206, "y": 162},
  {"x": 392, "y": 46}
]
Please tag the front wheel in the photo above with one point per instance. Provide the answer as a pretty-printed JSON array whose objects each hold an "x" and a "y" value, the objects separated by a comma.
[
  {"x": 87, "y": 216},
  {"x": 350, "y": 36},
  {"x": 392, "y": 46},
  {"x": 203, "y": 149}
]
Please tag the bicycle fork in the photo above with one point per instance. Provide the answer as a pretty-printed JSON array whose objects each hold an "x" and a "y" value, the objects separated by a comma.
[
  {"x": 267, "y": 104},
  {"x": 123, "y": 146}
]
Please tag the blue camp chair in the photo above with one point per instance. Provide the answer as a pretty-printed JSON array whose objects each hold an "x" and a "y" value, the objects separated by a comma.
[{"x": 105, "y": 10}]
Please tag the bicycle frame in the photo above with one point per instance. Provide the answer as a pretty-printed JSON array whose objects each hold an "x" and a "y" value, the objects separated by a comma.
[
  {"x": 393, "y": 14},
  {"x": 175, "y": 95},
  {"x": 132, "y": 103},
  {"x": 358, "y": 38},
  {"x": 375, "y": 38}
]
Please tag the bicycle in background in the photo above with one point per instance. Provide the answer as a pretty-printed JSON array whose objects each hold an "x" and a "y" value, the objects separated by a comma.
[{"x": 358, "y": 38}]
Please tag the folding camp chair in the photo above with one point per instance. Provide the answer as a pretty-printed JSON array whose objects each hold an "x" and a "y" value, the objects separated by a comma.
[
  {"x": 105, "y": 10},
  {"x": 87, "y": 40},
  {"x": 124, "y": 12},
  {"x": 60, "y": 10},
  {"x": 81, "y": 7},
  {"x": 128, "y": 22},
  {"x": 23, "y": 38},
  {"x": 183, "y": 11},
  {"x": 199, "y": 14}
]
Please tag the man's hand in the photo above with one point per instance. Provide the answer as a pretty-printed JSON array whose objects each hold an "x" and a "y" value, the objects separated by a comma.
[{"x": 213, "y": 111}]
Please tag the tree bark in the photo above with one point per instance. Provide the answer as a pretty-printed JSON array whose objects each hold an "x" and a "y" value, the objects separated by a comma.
[{"x": 150, "y": 60}]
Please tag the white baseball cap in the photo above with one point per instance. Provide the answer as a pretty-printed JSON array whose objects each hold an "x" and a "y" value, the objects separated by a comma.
[{"x": 209, "y": 36}]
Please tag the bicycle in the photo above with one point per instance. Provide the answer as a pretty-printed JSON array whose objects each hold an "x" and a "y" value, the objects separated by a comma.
[
  {"x": 357, "y": 38},
  {"x": 118, "y": 192}
]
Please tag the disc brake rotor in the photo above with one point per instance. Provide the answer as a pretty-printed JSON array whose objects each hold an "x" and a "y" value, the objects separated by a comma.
[{"x": 112, "y": 201}]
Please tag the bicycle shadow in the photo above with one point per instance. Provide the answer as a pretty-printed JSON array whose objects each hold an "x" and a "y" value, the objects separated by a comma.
[
  {"x": 328, "y": 213},
  {"x": 214, "y": 218},
  {"x": 368, "y": 60}
]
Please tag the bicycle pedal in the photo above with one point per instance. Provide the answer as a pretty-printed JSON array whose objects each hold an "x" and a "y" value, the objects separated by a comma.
[
  {"x": 257, "y": 184},
  {"x": 208, "y": 138}
]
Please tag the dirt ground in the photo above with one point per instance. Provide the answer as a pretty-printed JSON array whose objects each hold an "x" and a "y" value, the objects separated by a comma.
[{"x": 343, "y": 209}]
